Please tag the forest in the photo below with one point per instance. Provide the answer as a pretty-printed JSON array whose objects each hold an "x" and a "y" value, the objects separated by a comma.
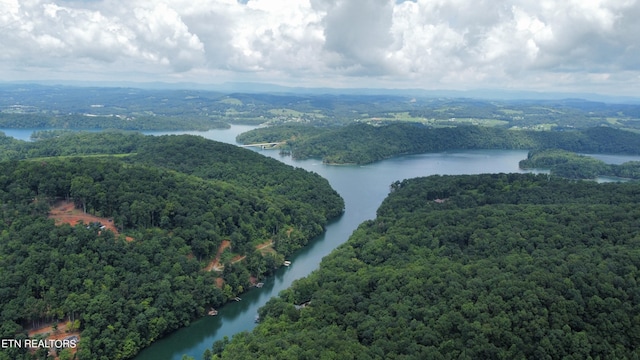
[
  {"x": 493, "y": 266},
  {"x": 574, "y": 166},
  {"x": 75, "y": 107},
  {"x": 489, "y": 266},
  {"x": 173, "y": 201},
  {"x": 363, "y": 144}
]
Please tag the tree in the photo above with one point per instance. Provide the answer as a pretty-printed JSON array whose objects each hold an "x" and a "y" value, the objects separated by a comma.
[{"x": 81, "y": 190}]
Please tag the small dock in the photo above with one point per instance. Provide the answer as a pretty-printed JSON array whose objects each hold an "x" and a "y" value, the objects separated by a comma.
[{"x": 259, "y": 285}]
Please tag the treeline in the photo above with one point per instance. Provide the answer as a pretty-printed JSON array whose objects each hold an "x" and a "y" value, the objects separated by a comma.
[
  {"x": 500, "y": 266},
  {"x": 361, "y": 144},
  {"x": 566, "y": 113},
  {"x": 99, "y": 122},
  {"x": 249, "y": 104},
  {"x": 574, "y": 166},
  {"x": 124, "y": 292},
  {"x": 70, "y": 144},
  {"x": 279, "y": 133}
]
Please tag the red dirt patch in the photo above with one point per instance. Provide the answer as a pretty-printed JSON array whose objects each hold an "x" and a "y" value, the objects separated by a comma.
[
  {"x": 266, "y": 247},
  {"x": 215, "y": 263},
  {"x": 50, "y": 334},
  {"x": 65, "y": 212}
]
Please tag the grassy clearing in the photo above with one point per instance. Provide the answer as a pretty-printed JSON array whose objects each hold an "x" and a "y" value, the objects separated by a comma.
[
  {"x": 538, "y": 127},
  {"x": 286, "y": 112},
  {"x": 405, "y": 116},
  {"x": 511, "y": 112},
  {"x": 474, "y": 121},
  {"x": 231, "y": 101}
]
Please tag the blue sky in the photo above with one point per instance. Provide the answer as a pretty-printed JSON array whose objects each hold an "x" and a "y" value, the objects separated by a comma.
[{"x": 540, "y": 45}]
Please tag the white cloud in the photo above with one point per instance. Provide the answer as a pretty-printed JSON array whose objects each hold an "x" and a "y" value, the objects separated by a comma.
[{"x": 422, "y": 43}]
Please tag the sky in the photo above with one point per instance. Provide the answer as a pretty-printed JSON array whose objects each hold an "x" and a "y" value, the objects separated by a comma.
[{"x": 537, "y": 45}]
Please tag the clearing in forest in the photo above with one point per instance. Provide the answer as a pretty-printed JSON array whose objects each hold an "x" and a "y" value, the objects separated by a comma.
[
  {"x": 215, "y": 265},
  {"x": 60, "y": 333},
  {"x": 65, "y": 212}
]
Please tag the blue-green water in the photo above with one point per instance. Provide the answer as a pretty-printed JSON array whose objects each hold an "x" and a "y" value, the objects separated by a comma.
[{"x": 362, "y": 187}]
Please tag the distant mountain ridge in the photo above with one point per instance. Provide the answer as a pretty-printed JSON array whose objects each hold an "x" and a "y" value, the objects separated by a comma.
[{"x": 256, "y": 87}]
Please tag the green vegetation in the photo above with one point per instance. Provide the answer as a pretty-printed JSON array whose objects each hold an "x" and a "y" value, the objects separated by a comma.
[
  {"x": 173, "y": 200},
  {"x": 573, "y": 166},
  {"x": 99, "y": 122},
  {"x": 361, "y": 143},
  {"x": 501, "y": 266},
  {"x": 34, "y": 106},
  {"x": 279, "y": 133},
  {"x": 529, "y": 114},
  {"x": 70, "y": 144}
]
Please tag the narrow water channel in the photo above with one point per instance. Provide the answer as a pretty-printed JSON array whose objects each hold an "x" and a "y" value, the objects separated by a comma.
[{"x": 363, "y": 188}]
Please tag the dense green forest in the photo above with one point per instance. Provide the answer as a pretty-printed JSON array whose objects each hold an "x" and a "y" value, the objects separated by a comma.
[
  {"x": 574, "y": 166},
  {"x": 362, "y": 144},
  {"x": 173, "y": 200},
  {"x": 495, "y": 266},
  {"x": 280, "y": 133}
]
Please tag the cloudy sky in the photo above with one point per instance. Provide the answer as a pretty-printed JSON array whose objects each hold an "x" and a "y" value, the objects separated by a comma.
[{"x": 541, "y": 45}]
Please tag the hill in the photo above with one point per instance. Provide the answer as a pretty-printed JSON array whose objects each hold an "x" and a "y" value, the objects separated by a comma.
[
  {"x": 500, "y": 266},
  {"x": 363, "y": 143},
  {"x": 173, "y": 201}
]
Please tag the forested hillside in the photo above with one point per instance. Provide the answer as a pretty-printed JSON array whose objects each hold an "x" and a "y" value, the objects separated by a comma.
[
  {"x": 361, "y": 143},
  {"x": 173, "y": 200},
  {"x": 574, "y": 166},
  {"x": 501, "y": 266}
]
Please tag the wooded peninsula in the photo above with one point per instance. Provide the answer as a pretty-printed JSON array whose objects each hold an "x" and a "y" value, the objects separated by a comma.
[
  {"x": 172, "y": 201},
  {"x": 364, "y": 143}
]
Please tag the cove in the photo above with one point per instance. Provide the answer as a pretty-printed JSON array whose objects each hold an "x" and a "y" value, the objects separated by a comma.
[{"x": 363, "y": 189}]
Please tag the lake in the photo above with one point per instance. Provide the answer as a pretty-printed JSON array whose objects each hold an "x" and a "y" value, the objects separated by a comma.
[{"x": 363, "y": 189}]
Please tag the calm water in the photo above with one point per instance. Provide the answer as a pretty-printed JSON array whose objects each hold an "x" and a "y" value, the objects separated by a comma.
[
  {"x": 363, "y": 189},
  {"x": 20, "y": 134},
  {"x": 226, "y": 135}
]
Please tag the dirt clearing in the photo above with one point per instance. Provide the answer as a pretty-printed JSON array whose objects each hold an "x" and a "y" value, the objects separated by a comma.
[{"x": 65, "y": 212}]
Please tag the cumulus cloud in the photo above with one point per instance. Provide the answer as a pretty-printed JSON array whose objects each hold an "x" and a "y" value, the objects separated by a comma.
[
  {"x": 357, "y": 34},
  {"x": 49, "y": 34},
  {"x": 412, "y": 43}
]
